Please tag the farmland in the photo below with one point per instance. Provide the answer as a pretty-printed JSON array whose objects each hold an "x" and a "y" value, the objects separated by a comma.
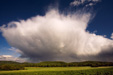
[
  {"x": 56, "y": 68},
  {"x": 61, "y": 71}
]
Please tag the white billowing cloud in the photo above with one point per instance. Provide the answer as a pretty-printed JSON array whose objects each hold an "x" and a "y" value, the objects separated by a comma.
[
  {"x": 10, "y": 58},
  {"x": 112, "y": 36},
  {"x": 56, "y": 36},
  {"x": 84, "y": 2}
]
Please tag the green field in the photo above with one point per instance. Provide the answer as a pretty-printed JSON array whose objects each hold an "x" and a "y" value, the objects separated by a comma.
[{"x": 61, "y": 71}]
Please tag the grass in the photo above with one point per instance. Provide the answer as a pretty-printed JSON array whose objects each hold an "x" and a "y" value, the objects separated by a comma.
[{"x": 61, "y": 71}]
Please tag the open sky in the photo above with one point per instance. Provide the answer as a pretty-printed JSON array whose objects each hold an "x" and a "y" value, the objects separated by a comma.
[{"x": 84, "y": 19}]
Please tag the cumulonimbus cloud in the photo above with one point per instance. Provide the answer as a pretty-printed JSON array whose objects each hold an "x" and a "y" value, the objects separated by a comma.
[{"x": 56, "y": 36}]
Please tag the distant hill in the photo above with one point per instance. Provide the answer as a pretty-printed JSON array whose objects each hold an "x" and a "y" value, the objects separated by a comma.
[
  {"x": 91, "y": 63},
  {"x": 52, "y": 64},
  {"x": 8, "y": 62}
]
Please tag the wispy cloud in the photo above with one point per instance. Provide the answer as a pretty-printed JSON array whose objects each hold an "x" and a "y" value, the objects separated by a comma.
[
  {"x": 10, "y": 58},
  {"x": 84, "y": 2}
]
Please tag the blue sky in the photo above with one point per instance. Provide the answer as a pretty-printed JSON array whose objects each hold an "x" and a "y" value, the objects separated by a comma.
[{"x": 15, "y": 10}]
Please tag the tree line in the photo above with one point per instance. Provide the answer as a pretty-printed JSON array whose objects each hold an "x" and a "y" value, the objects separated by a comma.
[{"x": 10, "y": 65}]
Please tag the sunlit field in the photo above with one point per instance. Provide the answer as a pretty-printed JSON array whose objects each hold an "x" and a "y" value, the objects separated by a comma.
[{"x": 61, "y": 71}]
